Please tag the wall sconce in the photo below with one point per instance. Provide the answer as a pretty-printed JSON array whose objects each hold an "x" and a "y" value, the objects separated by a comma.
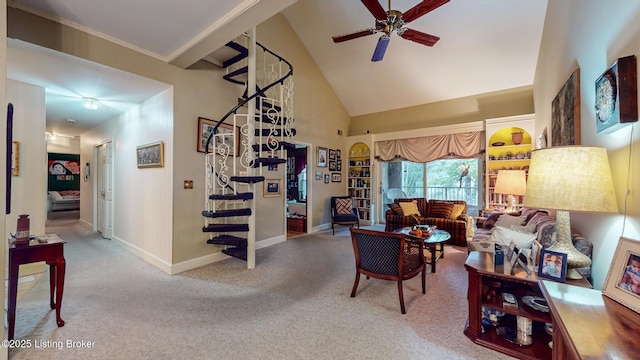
[{"x": 90, "y": 103}]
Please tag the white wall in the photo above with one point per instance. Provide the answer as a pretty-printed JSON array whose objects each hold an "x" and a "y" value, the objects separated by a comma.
[
  {"x": 63, "y": 145},
  {"x": 591, "y": 35},
  {"x": 28, "y": 190},
  {"x": 143, "y": 199}
]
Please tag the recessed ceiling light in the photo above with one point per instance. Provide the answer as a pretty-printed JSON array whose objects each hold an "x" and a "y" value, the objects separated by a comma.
[{"x": 90, "y": 103}]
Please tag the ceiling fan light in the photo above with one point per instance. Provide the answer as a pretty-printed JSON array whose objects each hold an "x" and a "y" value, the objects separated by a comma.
[{"x": 90, "y": 103}]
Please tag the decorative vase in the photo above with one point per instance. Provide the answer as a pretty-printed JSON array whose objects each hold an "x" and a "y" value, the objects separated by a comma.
[{"x": 516, "y": 137}]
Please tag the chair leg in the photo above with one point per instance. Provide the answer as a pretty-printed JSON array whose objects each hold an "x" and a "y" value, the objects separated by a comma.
[
  {"x": 355, "y": 285},
  {"x": 332, "y": 229},
  {"x": 424, "y": 270},
  {"x": 401, "y": 297}
]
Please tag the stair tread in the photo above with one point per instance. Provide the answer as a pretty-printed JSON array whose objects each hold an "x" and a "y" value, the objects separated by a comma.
[
  {"x": 225, "y": 228},
  {"x": 281, "y": 145},
  {"x": 247, "y": 179},
  {"x": 240, "y": 253},
  {"x": 239, "y": 196},
  {"x": 228, "y": 240},
  {"x": 276, "y": 132},
  {"x": 227, "y": 213}
]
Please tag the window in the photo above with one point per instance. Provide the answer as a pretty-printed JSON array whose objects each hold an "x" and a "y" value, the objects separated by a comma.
[{"x": 446, "y": 179}]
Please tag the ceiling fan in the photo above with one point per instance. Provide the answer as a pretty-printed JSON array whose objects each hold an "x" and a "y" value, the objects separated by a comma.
[{"x": 390, "y": 20}]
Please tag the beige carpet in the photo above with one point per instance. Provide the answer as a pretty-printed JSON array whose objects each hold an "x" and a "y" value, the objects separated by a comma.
[{"x": 294, "y": 305}]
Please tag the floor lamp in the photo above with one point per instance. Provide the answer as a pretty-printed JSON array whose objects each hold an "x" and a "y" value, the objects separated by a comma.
[
  {"x": 570, "y": 178},
  {"x": 511, "y": 182}
]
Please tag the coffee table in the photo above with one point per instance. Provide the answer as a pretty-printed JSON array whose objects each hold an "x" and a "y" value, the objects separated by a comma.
[{"x": 435, "y": 243}]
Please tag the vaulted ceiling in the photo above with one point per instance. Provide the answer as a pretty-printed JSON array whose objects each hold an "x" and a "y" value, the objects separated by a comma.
[{"x": 484, "y": 46}]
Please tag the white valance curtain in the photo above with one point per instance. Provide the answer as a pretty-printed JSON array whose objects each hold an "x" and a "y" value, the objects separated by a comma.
[{"x": 429, "y": 148}]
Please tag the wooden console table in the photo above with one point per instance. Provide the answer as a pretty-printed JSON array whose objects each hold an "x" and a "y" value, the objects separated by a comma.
[
  {"x": 589, "y": 325},
  {"x": 51, "y": 252}
]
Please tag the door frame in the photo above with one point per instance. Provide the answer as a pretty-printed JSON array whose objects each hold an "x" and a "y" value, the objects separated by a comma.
[
  {"x": 310, "y": 177},
  {"x": 95, "y": 186}
]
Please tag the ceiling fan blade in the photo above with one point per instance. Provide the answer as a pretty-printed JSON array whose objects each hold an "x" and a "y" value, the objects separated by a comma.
[
  {"x": 421, "y": 9},
  {"x": 381, "y": 48},
  {"x": 355, "y": 35},
  {"x": 375, "y": 9},
  {"x": 420, "y": 37}
]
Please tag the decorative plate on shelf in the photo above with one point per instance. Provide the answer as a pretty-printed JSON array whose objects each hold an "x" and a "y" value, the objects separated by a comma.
[
  {"x": 497, "y": 143},
  {"x": 536, "y": 303}
]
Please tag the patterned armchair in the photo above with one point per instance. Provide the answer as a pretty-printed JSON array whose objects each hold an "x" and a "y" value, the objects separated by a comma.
[
  {"x": 343, "y": 212},
  {"x": 387, "y": 256}
]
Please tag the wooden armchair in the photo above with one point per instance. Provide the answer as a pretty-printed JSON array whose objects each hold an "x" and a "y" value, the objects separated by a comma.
[
  {"x": 387, "y": 256},
  {"x": 343, "y": 212}
]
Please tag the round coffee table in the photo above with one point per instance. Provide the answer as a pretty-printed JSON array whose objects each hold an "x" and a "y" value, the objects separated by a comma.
[{"x": 435, "y": 243}]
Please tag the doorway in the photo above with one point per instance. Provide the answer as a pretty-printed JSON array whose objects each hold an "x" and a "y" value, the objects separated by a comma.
[
  {"x": 297, "y": 180},
  {"x": 104, "y": 189}
]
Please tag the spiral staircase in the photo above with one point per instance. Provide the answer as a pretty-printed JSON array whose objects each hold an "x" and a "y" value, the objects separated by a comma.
[{"x": 235, "y": 160}]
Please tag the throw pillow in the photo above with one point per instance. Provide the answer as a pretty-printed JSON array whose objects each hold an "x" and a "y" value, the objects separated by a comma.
[
  {"x": 503, "y": 236},
  {"x": 491, "y": 220},
  {"x": 343, "y": 206},
  {"x": 55, "y": 196},
  {"x": 529, "y": 229},
  {"x": 409, "y": 208},
  {"x": 440, "y": 209},
  {"x": 456, "y": 211},
  {"x": 508, "y": 220},
  {"x": 395, "y": 208}
]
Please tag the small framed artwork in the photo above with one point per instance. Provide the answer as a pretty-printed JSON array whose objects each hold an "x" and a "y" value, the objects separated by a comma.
[
  {"x": 150, "y": 155},
  {"x": 339, "y": 165},
  {"x": 318, "y": 175},
  {"x": 336, "y": 177},
  {"x": 565, "y": 113},
  {"x": 326, "y": 178},
  {"x": 15, "y": 158},
  {"x": 338, "y": 154},
  {"x": 332, "y": 154},
  {"x": 272, "y": 167},
  {"x": 616, "y": 102},
  {"x": 272, "y": 188},
  {"x": 224, "y": 144},
  {"x": 332, "y": 165},
  {"x": 322, "y": 157},
  {"x": 553, "y": 265},
  {"x": 623, "y": 279}
]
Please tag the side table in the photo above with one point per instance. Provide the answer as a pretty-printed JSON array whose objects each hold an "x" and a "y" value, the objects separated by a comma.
[{"x": 51, "y": 252}]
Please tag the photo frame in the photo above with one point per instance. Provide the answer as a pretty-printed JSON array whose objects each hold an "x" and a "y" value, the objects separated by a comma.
[
  {"x": 204, "y": 128},
  {"x": 318, "y": 175},
  {"x": 565, "y": 113},
  {"x": 338, "y": 154},
  {"x": 339, "y": 165},
  {"x": 542, "y": 139},
  {"x": 332, "y": 165},
  {"x": 150, "y": 155},
  {"x": 336, "y": 177},
  {"x": 332, "y": 154},
  {"x": 15, "y": 158},
  {"x": 552, "y": 265},
  {"x": 326, "y": 178},
  {"x": 322, "y": 156},
  {"x": 272, "y": 188},
  {"x": 622, "y": 283}
]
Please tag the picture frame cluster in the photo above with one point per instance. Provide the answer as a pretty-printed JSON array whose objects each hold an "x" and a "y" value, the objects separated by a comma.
[{"x": 331, "y": 159}]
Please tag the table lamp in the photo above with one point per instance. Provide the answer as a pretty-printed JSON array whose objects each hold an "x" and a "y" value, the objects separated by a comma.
[
  {"x": 570, "y": 178},
  {"x": 511, "y": 182}
]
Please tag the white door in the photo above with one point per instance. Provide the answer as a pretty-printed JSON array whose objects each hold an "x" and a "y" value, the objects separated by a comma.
[{"x": 105, "y": 190}]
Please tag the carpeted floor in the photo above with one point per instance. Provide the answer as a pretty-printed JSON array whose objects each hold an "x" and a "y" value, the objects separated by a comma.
[{"x": 294, "y": 305}]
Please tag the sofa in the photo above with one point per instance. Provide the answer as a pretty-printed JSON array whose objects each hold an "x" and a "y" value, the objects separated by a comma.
[
  {"x": 441, "y": 213},
  {"x": 536, "y": 221},
  {"x": 63, "y": 200}
]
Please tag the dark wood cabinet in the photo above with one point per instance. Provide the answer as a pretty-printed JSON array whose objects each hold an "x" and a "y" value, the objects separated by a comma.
[{"x": 486, "y": 284}]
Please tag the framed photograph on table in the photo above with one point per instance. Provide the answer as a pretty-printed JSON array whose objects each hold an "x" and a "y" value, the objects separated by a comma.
[
  {"x": 623, "y": 279},
  {"x": 322, "y": 157},
  {"x": 553, "y": 265}
]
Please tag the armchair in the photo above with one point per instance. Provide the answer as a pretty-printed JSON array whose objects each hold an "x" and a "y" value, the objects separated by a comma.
[
  {"x": 343, "y": 212},
  {"x": 387, "y": 256}
]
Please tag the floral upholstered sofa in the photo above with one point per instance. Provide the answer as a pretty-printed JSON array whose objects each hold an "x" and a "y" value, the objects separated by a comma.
[
  {"x": 534, "y": 221},
  {"x": 448, "y": 215}
]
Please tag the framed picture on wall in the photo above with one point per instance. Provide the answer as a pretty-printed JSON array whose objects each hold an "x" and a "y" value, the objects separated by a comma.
[
  {"x": 336, "y": 177},
  {"x": 272, "y": 188},
  {"x": 223, "y": 140},
  {"x": 326, "y": 178},
  {"x": 332, "y": 165},
  {"x": 322, "y": 157},
  {"x": 565, "y": 113},
  {"x": 15, "y": 159},
  {"x": 150, "y": 155}
]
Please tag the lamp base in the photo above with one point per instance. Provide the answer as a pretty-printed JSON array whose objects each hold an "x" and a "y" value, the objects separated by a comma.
[{"x": 573, "y": 274}]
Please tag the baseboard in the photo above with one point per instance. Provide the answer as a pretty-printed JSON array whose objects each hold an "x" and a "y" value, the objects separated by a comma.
[
  {"x": 86, "y": 224},
  {"x": 321, "y": 227},
  {"x": 144, "y": 255}
]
